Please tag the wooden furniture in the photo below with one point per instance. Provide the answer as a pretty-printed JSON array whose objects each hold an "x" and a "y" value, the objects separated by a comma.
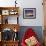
[
  {"x": 45, "y": 37},
  {"x": 5, "y": 13},
  {"x": 44, "y": 8},
  {"x": 11, "y": 26},
  {"x": 10, "y": 43}
]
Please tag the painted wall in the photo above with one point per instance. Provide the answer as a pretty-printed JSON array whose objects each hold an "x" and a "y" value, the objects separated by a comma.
[
  {"x": 39, "y": 13},
  {"x": 27, "y": 4}
]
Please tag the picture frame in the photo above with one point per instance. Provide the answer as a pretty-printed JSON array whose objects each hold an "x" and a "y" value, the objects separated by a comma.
[
  {"x": 29, "y": 13},
  {"x": 5, "y": 12}
]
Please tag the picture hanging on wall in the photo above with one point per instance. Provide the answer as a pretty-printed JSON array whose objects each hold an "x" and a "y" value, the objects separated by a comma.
[{"x": 29, "y": 13}]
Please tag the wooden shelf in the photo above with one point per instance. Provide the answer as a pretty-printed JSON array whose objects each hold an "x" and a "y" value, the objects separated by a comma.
[
  {"x": 3, "y": 8},
  {"x": 9, "y": 43},
  {"x": 11, "y": 26},
  {"x": 4, "y": 13}
]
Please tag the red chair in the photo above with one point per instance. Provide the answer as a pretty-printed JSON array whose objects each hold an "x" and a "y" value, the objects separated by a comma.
[{"x": 29, "y": 33}]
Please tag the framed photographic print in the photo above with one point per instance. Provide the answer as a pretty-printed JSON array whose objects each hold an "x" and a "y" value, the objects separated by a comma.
[
  {"x": 29, "y": 13},
  {"x": 5, "y": 12}
]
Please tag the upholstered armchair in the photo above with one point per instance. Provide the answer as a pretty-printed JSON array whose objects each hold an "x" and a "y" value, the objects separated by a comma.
[{"x": 30, "y": 38}]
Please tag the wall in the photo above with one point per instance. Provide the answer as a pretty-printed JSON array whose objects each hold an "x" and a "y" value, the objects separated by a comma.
[
  {"x": 27, "y": 4},
  {"x": 39, "y": 13}
]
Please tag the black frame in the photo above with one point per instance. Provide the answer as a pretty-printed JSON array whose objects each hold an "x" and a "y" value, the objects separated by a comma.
[{"x": 26, "y": 11}]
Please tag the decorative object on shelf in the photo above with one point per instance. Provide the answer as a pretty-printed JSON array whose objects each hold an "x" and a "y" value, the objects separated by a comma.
[
  {"x": 15, "y": 3},
  {"x": 29, "y": 13},
  {"x": 5, "y": 12},
  {"x": 13, "y": 12},
  {"x": 6, "y": 21},
  {"x": 7, "y": 34},
  {"x": 15, "y": 34}
]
